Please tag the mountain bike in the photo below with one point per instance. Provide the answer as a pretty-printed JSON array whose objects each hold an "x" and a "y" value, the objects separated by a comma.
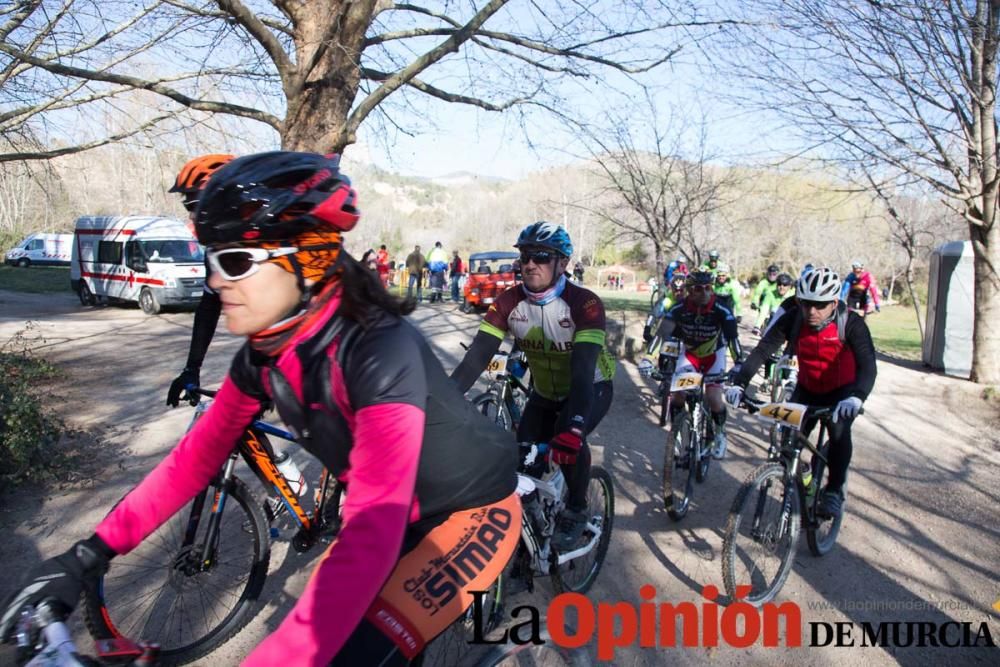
[
  {"x": 44, "y": 640},
  {"x": 194, "y": 583},
  {"x": 503, "y": 403},
  {"x": 775, "y": 501},
  {"x": 782, "y": 382},
  {"x": 542, "y": 490},
  {"x": 687, "y": 454},
  {"x": 655, "y": 295},
  {"x": 659, "y": 363}
]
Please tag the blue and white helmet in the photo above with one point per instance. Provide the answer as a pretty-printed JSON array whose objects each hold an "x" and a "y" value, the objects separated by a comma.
[{"x": 546, "y": 235}]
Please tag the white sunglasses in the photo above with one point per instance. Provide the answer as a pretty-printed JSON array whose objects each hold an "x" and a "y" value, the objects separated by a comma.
[{"x": 240, "y": 263}]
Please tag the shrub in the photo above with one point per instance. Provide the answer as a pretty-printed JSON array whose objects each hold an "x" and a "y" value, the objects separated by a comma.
[{"x": 28, "y": 433}]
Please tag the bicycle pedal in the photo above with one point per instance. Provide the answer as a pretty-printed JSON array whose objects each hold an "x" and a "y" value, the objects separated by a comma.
[{"x": 117, "y": 648}]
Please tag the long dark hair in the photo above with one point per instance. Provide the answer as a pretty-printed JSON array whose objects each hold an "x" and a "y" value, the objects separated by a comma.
[{"x": 363, "y": 293}]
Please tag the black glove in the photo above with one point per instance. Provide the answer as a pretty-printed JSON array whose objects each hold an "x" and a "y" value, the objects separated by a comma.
[
  {"x": 62, "y": 579},
  {"x": 188, "y": 377},
  {"x": 753, "y": 306},
  {"x": 739, "y": 318}
]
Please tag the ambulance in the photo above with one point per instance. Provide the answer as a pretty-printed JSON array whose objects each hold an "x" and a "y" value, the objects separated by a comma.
[
  {"x": 151, "y": 260},
  {"x": 41, "y": 250}
]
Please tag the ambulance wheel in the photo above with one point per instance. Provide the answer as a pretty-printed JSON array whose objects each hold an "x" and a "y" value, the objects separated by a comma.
[
  {"x": 24, "y": 262},
  {"x": 86, "y": 296},
  {"x": 148, "y": 302}
]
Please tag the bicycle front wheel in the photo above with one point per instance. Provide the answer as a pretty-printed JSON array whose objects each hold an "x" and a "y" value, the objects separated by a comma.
[
  {"x": 821, "y": 534},
  {"x": 579, "y": 574},
  {"x": 491, "y": 407},
  {"x": 761, "y": 535},
  {"x": 162, "y": 592},
  {"x": 679, "y": 466}
]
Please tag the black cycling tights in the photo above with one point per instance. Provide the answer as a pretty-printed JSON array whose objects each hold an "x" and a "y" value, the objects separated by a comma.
[
  {"x": 543, "y": 418},
  {"x": 841, "y": 445}
]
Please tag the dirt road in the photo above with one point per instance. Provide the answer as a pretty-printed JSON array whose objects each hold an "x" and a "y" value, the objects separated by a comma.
[{"x": 920, "y": 542}]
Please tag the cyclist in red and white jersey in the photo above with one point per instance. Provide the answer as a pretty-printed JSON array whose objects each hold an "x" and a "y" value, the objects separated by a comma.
[{"x": 836, "y": 366}]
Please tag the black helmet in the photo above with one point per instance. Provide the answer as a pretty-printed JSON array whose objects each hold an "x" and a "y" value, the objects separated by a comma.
[
  {"x": 275, "y": 196},
  {"x": 700, "y": 278},
  {"x": 773, "y": 268},
  {"x": 785, "y": 279}
]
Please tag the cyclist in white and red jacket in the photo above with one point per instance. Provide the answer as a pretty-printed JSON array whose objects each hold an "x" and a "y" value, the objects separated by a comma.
[{"x": 836, "y": 367}]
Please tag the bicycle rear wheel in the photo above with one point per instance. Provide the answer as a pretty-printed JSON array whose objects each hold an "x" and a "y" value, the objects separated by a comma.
[
  {"x": 760, "y": 539},
  {"x": 159, "y": 592},
  {"x": 821, "y": 534},
  {"x": 579, "y": 574},
  {"x": 699, "y": 448},
  {"x": 678, "y": 468},
  {"x": 490, "y": 405}
]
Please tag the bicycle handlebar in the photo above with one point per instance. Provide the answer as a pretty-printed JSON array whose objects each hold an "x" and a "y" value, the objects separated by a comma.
[
  {"x": 44, "y": 640},
  {"x": 753, "y": 405}
]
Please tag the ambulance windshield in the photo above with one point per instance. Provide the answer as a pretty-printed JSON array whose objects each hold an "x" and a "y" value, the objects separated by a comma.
[{"x": 174, "y": 251}]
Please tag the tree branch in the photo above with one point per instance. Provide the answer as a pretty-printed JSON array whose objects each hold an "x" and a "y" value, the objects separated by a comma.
[
  {"x": 259, "y": 32},
  {"x": 154, "y": 86},
  {"x": 400, "y": 78},
  {"x": 69, "y": 150}
]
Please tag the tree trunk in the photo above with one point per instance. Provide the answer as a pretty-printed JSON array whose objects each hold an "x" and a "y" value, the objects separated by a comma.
[
  {"x": 908, "y": 276},
  {"x": 986, "y": 327},
  {"x": 323, "y": 86}
]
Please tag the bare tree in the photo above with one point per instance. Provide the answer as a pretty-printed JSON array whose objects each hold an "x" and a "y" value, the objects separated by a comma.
[
  {"x": 912, "y": 223},
  {"x": 909, "y": 85},
  {"x": 655, "y": 180},
  {"x": 312, "y": 70}
]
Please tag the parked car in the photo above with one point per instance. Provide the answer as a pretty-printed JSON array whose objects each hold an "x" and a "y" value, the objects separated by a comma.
[
  {"x": 489, "y": 274},
  {"x": 146, "y": 259},
  {"x": 41, "y": 250}
]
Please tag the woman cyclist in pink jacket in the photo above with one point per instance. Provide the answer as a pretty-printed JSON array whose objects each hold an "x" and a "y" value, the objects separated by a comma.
[{"x": 428, "y": 479}]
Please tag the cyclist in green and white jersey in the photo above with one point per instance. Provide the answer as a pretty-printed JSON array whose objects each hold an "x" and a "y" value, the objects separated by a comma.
[{"x": 561, "y": 328}]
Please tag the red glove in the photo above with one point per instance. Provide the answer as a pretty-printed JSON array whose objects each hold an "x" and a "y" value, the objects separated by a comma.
[{"x": 566, "y": 447}]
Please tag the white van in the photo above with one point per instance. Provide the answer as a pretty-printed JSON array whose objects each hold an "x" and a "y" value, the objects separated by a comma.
[
  {"x": 152, "y": 260},
  {"x": 41, "y": 250}
]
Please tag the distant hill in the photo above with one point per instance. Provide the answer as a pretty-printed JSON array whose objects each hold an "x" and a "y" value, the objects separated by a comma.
[{"x": 459, "y": 178}]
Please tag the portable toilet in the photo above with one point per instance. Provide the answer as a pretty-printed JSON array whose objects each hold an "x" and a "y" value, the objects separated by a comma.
[{"x": 950, "y": 309}]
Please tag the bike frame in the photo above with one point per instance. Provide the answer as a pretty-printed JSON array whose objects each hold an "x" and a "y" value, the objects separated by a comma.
[
  {"x": 789, "y": 455},
  {"x": 259, "y": 457},
  {"x": 550, "y": 493}
]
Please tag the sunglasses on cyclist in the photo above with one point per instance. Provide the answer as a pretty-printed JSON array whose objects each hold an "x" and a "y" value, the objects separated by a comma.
[
  {"x": 700, "y": 288},
  {"x": 538, "y": 257},
  {"x": 813, "y": 305},
  {"x": 240, "y": 263}
]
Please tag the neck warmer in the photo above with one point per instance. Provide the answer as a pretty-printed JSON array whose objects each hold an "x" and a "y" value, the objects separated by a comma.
[
  {"x": 275, "y": 339},
  {"x": 546, "y": 296}
]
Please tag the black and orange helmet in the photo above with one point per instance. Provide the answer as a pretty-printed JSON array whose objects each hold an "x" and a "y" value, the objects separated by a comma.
[
  {"x": 275, "y": 196},
  {"x": 195, "y": 174}
]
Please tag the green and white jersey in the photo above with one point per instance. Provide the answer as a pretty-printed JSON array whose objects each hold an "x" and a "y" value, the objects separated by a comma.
[{"x": 547, "y": 334}]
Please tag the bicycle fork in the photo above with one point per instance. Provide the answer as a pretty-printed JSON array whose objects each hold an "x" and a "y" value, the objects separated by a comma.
[{"x": 210, "y": 542}]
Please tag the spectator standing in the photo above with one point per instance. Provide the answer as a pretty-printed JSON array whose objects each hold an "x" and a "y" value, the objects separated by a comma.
[
  {"x": 457, "y": 269},
  {"x": 437, "y": 264},
  {"x": 382, "y": 264},
  {"x": 415, "y": 264}
]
